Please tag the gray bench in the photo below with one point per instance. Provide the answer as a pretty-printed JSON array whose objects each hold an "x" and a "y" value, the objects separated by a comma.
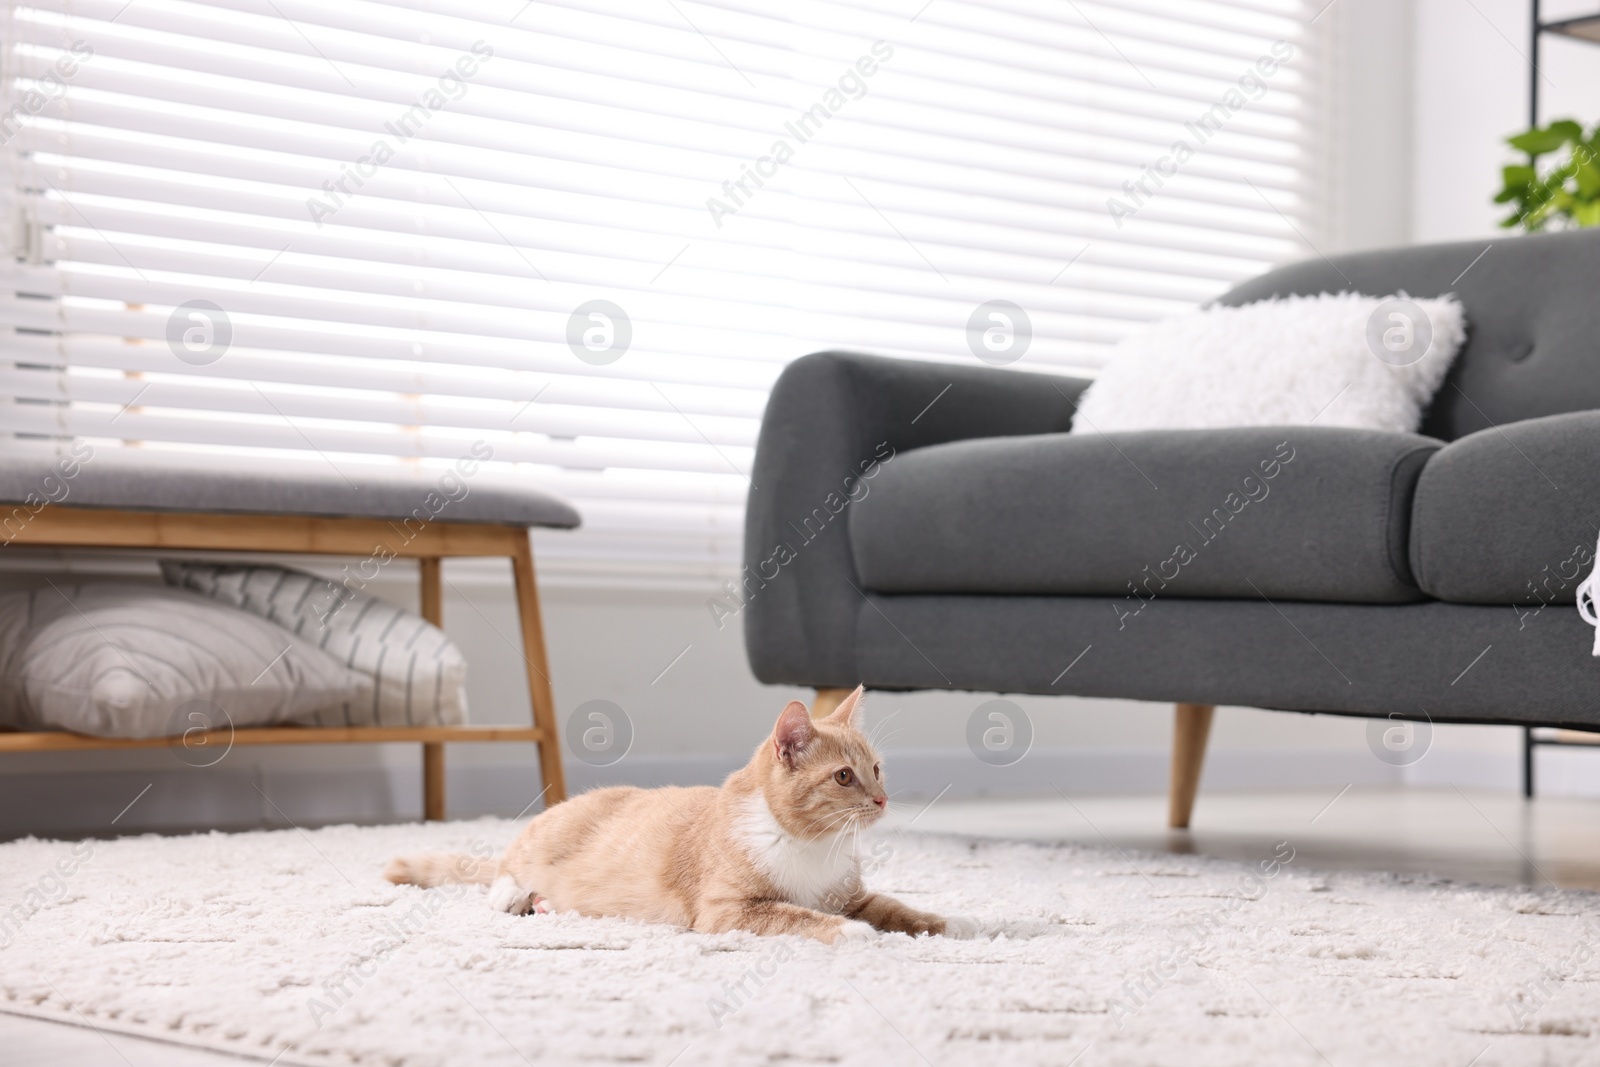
[{"x": 104, "y": 499}]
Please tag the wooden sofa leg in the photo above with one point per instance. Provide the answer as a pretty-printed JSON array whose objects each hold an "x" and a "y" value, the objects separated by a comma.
[
  {"x": 1191, "y": 726},
  {"x": 826, "y": 700},
  {"x": 539, "y": 691}
]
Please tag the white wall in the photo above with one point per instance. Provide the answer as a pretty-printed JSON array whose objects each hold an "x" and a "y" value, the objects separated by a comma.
[
  {"x": 1370, "y": 47},
  {"x": 1471, "y": 91}
]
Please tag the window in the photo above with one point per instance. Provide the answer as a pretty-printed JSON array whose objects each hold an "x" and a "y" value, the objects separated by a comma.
[{"x": 592, "y": 234}]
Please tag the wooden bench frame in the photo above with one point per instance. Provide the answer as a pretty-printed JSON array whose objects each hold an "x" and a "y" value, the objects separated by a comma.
[{"x": 58, "y": 526}]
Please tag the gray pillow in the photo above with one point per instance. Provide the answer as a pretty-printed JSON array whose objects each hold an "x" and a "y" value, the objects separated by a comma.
[
  {"x": 420, "y": 675},
  {"x": 128, "y": 660}
]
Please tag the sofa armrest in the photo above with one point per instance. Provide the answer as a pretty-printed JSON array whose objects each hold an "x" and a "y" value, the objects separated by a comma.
[{"x": 832, "y": 421}]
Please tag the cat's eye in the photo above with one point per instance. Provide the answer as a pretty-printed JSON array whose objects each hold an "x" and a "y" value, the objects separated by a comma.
[
  {"x": 844, "y": 776},
  {"x": 876, "y": 773}
]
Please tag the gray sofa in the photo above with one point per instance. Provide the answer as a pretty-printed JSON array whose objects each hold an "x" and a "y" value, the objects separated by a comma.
[{"x": 918, "y": 525}]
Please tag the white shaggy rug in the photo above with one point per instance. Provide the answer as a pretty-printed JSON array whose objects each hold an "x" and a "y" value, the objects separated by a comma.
[{"x": 290, "y": 945}]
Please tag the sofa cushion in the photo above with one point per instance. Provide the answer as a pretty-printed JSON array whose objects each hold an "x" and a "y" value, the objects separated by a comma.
[
  {"x": 1510, "y": 515},
  {"x": 1301, "y": 513}
]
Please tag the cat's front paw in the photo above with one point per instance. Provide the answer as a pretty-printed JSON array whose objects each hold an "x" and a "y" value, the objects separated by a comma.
[
  {"x": 854, "y": 930},
  {"x": 962, "y": 928}
]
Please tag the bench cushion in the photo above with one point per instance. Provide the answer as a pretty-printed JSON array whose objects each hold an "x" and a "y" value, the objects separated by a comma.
[
  {"x": 1302, "y": 513},
  {"x": 1510, "y": 515},
  {"x": 103, "y": 478}
]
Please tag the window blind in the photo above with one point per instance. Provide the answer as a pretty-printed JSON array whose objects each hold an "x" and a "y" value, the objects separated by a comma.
[{"x": 591, "y": 234}]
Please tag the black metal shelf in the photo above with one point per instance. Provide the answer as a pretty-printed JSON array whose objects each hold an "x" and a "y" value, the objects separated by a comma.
[
  {"x": 1547, "y": 737},
  {"x": 1584, "y": 28},
  {"x": 1578, "y": 28}
]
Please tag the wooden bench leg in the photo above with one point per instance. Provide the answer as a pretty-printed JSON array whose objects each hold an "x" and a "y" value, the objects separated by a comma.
[
  {"x": 826, "y": 700},
  {"x": 433, "y": 781},
  {"x": 544, "y": 701},
  {"x": 1191, "y": 726},
  {"x": 432, "y": 604}
]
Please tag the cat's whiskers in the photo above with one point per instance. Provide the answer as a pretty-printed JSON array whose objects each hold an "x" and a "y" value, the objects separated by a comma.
[
  {"x": 852, "y": 823},
  {"x": 872, "y": 738},
  {"x": 857, "y": 844},
  {"x": 853, "y": 826},
  {"x": 837, "y": 822},
  {"x": 836, "y": 817},
  {"x": 888, "y": 740}
]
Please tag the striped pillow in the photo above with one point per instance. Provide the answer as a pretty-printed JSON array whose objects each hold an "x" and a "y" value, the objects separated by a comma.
[
  {"x": 421, "y": 676},
  {"x": 119, "y": 659}
]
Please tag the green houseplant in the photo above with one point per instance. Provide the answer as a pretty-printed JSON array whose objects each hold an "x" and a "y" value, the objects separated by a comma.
[{"x": 1561, "y": 193}]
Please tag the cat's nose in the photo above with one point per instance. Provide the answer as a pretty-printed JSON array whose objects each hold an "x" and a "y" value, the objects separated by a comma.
[{"x": 880, "y": 801}]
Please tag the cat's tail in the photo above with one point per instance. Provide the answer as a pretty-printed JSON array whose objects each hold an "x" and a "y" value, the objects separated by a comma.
[{"x": 441, "y": 868}]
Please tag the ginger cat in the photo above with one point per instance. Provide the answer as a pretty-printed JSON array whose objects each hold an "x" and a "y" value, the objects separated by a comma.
[{"x": 772, "y": 851}]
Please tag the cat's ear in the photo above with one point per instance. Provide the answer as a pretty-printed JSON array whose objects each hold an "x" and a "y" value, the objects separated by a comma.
[
  {"x": 849, "y": 709},
  {"x": 793, "y": 732}
]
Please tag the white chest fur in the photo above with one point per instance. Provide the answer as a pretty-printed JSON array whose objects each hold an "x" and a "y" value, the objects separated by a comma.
[{"x": 817, "y": 873}]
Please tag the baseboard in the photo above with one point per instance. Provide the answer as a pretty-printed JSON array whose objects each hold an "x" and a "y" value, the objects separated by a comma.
[
  {"x": 1567, "y": 771},
  {"x": 1463, "y": 767},
  {"x": 72, "y": 804},
  {"x": 1126, "y": 770},
  {"x": 78, "y": 804}
]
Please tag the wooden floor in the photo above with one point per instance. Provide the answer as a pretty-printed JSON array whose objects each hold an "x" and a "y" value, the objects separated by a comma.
[{"x": 1493, "y": 838}]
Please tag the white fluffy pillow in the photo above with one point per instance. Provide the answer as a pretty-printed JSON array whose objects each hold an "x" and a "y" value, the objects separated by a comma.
[{"x": 1339, "y": 359}]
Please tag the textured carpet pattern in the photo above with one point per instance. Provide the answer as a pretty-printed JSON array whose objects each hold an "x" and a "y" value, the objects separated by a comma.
[{"x": 290, "y": 944}]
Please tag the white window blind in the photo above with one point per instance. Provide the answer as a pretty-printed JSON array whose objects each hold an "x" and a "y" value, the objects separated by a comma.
[{"x": 296, "y": 232}]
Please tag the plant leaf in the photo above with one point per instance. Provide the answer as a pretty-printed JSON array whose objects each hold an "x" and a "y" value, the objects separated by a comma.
[
  {"x": 1565, "y": 193},
  {"x": 1588, "y": 181},
  {"x": 1518, "y": 176},
  {"x": 1567, "y": 129},
  {"x": 1537, "y": 142}
]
